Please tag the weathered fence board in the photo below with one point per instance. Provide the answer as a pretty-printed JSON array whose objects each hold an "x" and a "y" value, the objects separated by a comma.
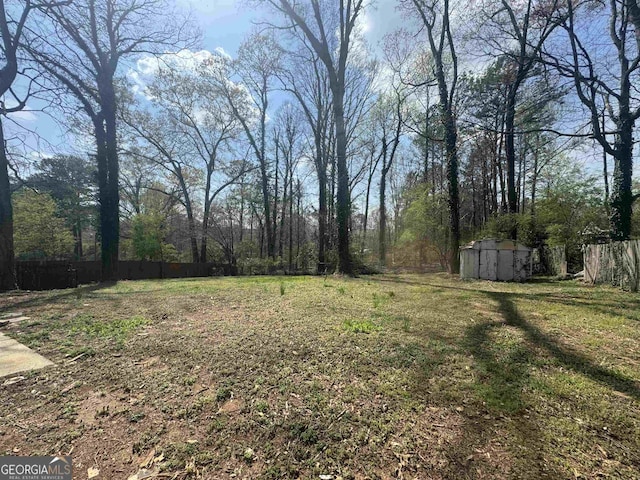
[
  {"x": 553, "y": 260},
  {"x": 48, "y": 275},
  {"x": 35, "y": 275},
  {"x": 616, "y": 263}
]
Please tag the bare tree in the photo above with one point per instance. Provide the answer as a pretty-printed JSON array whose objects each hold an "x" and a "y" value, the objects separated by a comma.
[
  {"x": 603, "y": 90},
  {"x": 330, "y": 32},
  {"x": 166, "y": 149},
  {"x": 255, "y": 67},
  {"x": 201, "y": 117},
  {"x": 82, "y": 46},
  {"x": 303, "y": 76},
  {"x": 13, "y": 24},
  {"x": 388, "y": 121},
  {"x": 435, "y": 17},
  {"x": 287, "y": 135},
  {"x": 517, "y": 31}
]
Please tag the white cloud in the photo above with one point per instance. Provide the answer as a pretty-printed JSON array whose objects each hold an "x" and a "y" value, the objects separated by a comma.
[
  {"x": 221, "y": 51},
  {"x": 24, "y": 116},
  {"x": 188, "y": 62},
  {"x": 184, "y": 61}
]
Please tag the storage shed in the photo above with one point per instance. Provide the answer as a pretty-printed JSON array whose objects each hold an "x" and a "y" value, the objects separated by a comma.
[{"x": 505, "y": 261}]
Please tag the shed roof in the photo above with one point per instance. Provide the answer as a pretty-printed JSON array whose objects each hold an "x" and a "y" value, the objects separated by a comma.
[{"x": 495, "y": 244}]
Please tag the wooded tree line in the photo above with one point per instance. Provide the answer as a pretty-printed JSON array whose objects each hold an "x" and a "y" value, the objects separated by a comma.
[{"x": 310, "y": 149}]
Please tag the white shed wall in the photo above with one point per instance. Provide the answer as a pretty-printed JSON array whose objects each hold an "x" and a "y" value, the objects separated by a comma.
[{"x": 492, "y": 260}]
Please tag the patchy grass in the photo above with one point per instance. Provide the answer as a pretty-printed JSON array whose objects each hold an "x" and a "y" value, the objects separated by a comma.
[{"x": 392, "y": 376}]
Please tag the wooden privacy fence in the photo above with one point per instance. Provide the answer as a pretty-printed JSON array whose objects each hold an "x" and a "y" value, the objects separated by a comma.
[
  {"x": 551, "y": 260},
  {"x": 48, "y": 275},
  {"x": 616, "y": 263}
]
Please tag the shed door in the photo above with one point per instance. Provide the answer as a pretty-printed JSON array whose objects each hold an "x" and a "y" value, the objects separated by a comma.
[
  {"x": 505, "y": 265},
  {"x": 488, "y": 265}
]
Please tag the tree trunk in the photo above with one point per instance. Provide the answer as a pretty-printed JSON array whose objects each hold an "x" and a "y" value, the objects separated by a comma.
[
  {"x": 510, "y": 156},
  {"x": 382, "y": 250},
  {"x": 366, "y": 213},
  {"x": 494, "y": 175},
  {"x": 274, "y": 213},
  {"x": 104, "y": 198},
  {"x": 322, "y": 221},
  {"x": 605, "y": 169},
  {"x": 283, "y": 210},
  {"x": 241, "y": 236},
  {"x": 451, "y": 137},
  {"x": 343, "y": 203},
  {"x": 203, "y": 239},
  {"x": 621, "y": 194},
  {"x": 522, "y": 183},
  {"x": 193, "y": 241},
  {"x": 110, "y": 214},
  {"x": 266, "y": 203},
  {"x": 192, "y": 232},
  {"x": 77, "y": 239},
  {"x": 331, "y": 203},
  {"x": 291, "y": 221},
  {"x": 534, "y": 178},
  {"x": 204, "y": 231},
  {"x": 474, "y": 215},
  {"x": 298, "y": 222},
  {"x": 7, "y": 261},
  {"x": 426, "y": 143},
  {"x": 485, "y": 191},
  {"x": 503, "y": 197}
]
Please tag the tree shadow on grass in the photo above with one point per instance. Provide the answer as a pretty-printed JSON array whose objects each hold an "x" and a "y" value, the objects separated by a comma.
[
  {"x": 502, "y": 379},
  {"x": 629, "y": 307},
  {"x": 39, "y": 298},
  {"x": 493, "y": 419},
  {"x": 565, "y": 355},
  {"x": 504, "y": 370}
]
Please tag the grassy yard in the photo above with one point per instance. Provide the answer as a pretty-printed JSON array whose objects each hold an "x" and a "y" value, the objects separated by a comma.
[{"x": 391, "y": 376}]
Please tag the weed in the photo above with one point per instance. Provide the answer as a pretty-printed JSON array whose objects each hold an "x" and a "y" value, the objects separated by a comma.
[
  {"x": 103, "y": 412},
  {"x": 406, "y": 324},
  {"x": 304, "y": 433},
  {"x": 73, "y": 351},
  {"x": 376, "y": 300},
  {"x": 217, "y": 425},
  {"x": 281, "y": 288},
  {"x": 118, "y": 329},
  {"x": 223, "y": 393},
  {"x": 361, "y": 326},
  {"x": 261, "y": 406},
  {"x": 248, "y": 455},
  {"x": 69, "y": 410},
  {"x": 135, "y": 417}
]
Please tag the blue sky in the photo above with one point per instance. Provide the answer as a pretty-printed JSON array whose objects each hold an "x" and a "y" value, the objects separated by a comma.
[{"x": 224, "y": 23}]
